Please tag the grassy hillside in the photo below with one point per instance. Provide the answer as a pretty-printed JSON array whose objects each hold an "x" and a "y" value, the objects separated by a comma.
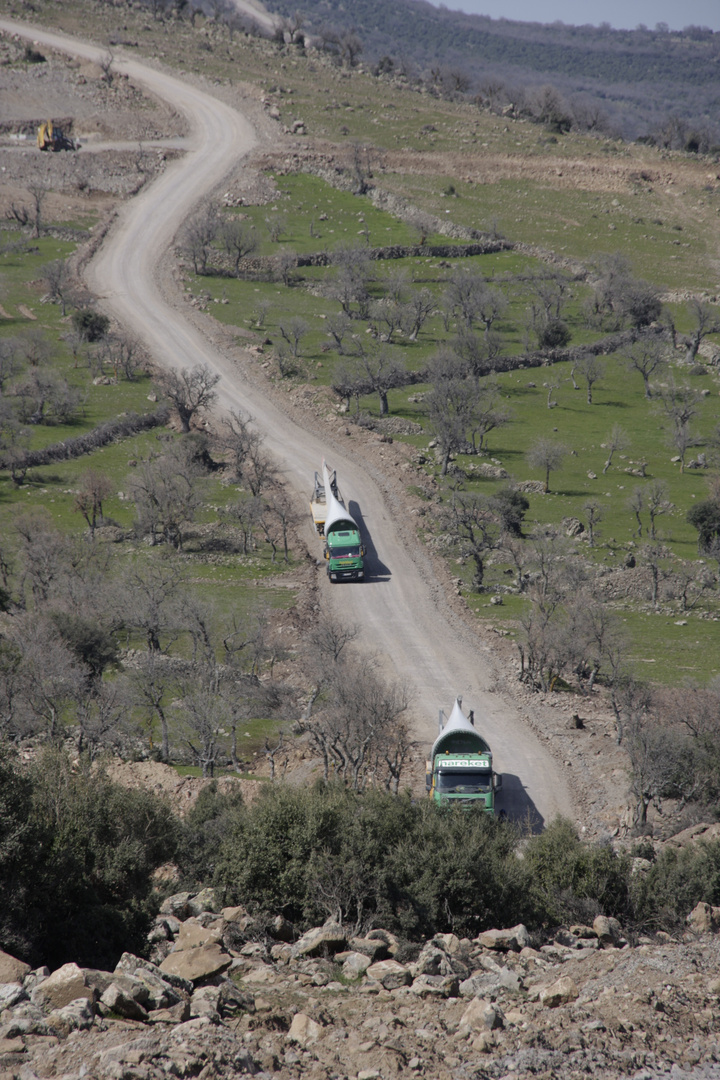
[{"x": 562, "y": 201}]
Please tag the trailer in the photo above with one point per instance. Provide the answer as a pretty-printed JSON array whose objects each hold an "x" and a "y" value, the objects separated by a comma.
[
  {"x": 343, "y": 548},
  {"x": 459, "y": 771}
]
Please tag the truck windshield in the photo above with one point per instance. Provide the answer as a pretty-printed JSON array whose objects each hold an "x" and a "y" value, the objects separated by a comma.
[
  {"x": 464, "y": 781},
  {"x": 345, "y": 552}
]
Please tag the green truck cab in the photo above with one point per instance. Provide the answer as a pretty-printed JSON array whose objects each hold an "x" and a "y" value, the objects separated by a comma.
[
  {"x": 460, "y": 770},
  {"x": 343, "y": 548}
]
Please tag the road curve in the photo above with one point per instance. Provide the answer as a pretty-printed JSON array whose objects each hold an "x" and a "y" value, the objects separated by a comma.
[{"x": 401, "y": 613}]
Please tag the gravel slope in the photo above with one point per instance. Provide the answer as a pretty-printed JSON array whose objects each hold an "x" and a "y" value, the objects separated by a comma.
[{"x": 401, "y": 608}]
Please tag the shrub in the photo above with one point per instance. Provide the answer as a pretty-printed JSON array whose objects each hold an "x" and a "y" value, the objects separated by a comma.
[
  {"x": 705, "y": 517},
  {"x": 92, "y": 325},
  {"x": 372, "y": 859},
  {"x": 573, "y": 881},
  {"x": 678, "y": 880},
  {"x": 203, "y": 831},
  {"x": 76, "y": 862},
  {"x": 555, "y": 334}
]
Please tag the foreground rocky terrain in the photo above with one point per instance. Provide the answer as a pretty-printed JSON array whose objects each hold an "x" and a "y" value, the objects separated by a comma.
[{"x": 227, "y": 996}]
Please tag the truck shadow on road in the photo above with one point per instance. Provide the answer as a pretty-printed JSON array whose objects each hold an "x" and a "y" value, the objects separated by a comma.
[
  {"x": 375, "y": 568},
  {"x": 519, "y": 807}
]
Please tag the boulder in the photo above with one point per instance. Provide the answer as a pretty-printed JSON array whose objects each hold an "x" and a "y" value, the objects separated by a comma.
[
  {"x": 559, "y": 993},
  {"x": 390, "y": 974},
  {"x": 282, "y": 930},
  {"x": 178, "y": 905},
  {"x": 174, "y": 1014},
  {"x": 482, "y": 1015},
  {"x": 321, "y": 940},
  {"x": 193, "y": 934},
  {"x": 704, "y": 919},
  {"x": 10, "y": 994},
  {"x": 196, "y": 964},
  {"x": 449, "y": 943},
  {"x": 233, "y": 914},
  {"x": 304, "y": 1030},
  {"x": 66, "y": 984},
  {"x": 232, "y": 1000},
  {"x": 12, "y": 970},
  {"x": 355, "y": 964},
  {"x": 515, "y": 939},
  {"x": 118, "y": 1001},
  {"x": 608, "y": 930},
  {"x": 375, "y": 948},
  {"x": 206, "y": 1002},
  {"x": 205, "y": 900},
  {"x": 151, "y": 975},
  {"x": 75, "y": 1016},
  {"x": 436, "y": 986},
  {"x": 260, "y": 975},
  {"x": 431, "y": 961}
]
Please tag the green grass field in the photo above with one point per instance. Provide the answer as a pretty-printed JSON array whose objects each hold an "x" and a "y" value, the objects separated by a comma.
[{"x": 533, "y": 189}]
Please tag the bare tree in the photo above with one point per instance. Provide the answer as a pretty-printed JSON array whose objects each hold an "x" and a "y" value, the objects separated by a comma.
[
  {"x": 53, "y": 680},
  {"x": 240, "y": 240},
  {"x": 391, "y": 314},
  {"x": 244, "y": 515},
  {"x": 10, "y": 361},
  {"x": 547, "y": 455},
  {"x": 595, "y": 512},
  {"x": 339, "y": 327},
  {"x": 361, "y": 733},
  {"x": 146, "y": 599},
  {"x": 31, "y": 215},
  {"x": 647, "y": 357},
  {"x": 198, "y": 236},
  {"x": 166, "y": 493},
  {"x": 379, "y": 372},
  {"x": 280, "y": 505},
  {"x": 34, "y": 347},
  {"x": 95, "y": 488},
  {"x": 350, "y": 280},
  {"x": 238, "y": 439},
  {"x": 419, "y": 308},
  {"x": 58, "y": 279},
  {"x": 657, "y": 502},
  {"x": 474, "y": 529},
  {"x": 615, "y": 442},
  {"x": 149, "y": 680},
  {"x": 653, "y": 556},
  {"x": 101, "y": 720},
  {"x": 190, "y": 390},
  {"x": 592, "y": 370},
  {"x": 706, "y": 320},
  {"x": 636, "y": 503},
  {"x": 293, "y": 330},
  {"x": 449, "y": 406}
]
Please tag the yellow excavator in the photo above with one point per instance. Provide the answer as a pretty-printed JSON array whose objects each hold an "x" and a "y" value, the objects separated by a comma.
[{"x": 53, "y": 138}]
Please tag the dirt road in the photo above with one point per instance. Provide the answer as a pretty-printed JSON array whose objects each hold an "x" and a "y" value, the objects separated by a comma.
[{"x": 400, "y": 609}]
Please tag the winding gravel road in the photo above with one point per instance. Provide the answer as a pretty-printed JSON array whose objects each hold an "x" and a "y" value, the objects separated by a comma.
[{"x": 400, "y": 609}]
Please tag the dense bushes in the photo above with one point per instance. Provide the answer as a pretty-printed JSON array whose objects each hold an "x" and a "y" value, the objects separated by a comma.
[
  {"x": 372, "y": 860},
  {"x": 678, "y": 880},
  {"x": 77, "y": 854},
  {"x": 375, "y": 860}
]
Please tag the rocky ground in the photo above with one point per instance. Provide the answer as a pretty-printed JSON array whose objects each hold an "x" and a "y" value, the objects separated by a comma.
[{"x": 227, "y": 996}]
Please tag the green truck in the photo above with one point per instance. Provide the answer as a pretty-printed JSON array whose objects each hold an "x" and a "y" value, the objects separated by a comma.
[
  {"x": 460, "y": 770},
  {"x": 343, "y": 548}
]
